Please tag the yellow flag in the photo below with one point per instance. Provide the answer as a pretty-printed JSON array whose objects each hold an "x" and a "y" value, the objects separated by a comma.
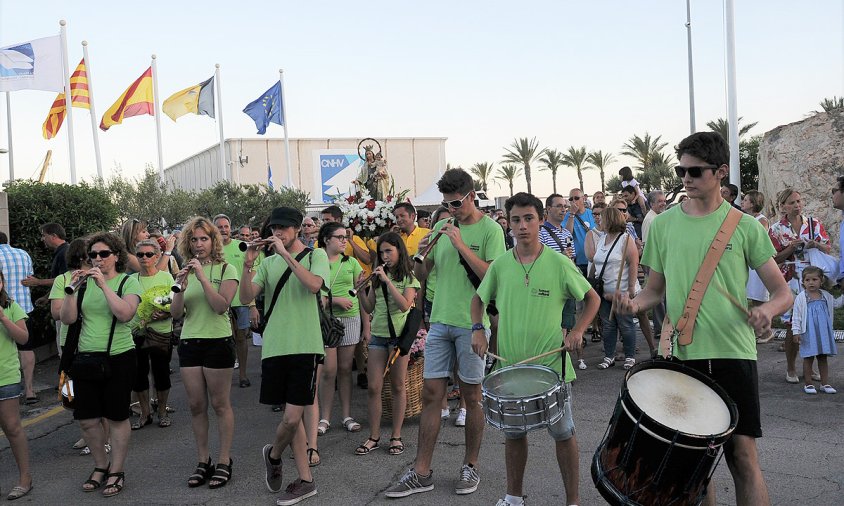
[{"x": 182, "y": 102}]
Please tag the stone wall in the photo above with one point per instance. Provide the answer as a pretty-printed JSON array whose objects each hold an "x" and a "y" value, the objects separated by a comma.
[{"x": 808, "y": 156}]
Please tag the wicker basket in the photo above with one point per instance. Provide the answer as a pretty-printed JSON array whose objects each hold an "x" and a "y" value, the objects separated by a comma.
[{"x": 413, "y": 385}]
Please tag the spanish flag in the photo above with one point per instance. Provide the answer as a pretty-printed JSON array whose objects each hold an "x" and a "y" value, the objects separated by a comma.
[
  {"x": 135, "y": 101},
  {"x": 78, "y": 97},
  {"x": 198, "y": 99}
]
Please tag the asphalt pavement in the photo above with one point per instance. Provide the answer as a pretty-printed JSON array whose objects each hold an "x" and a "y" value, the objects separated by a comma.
[{"x": 801, "y": 453}]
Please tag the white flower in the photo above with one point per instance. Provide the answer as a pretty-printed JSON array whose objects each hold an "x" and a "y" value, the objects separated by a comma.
[{"x": 358, "y": 228}]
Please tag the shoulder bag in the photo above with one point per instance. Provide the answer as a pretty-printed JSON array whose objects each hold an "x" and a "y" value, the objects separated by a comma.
[
  {"x": 411, "y": 325},
  {"x": 331, "y": 327},
  {"x": 95, "y": 366},
  {"x": 598, "y": 281}
]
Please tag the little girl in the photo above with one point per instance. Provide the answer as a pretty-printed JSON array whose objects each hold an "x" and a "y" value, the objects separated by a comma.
[{"x": 811, "y": 324}]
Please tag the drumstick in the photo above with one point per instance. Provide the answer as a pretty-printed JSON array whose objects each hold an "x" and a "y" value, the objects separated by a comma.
[
  {"x": 620, "y": 274},
  {"x": 496, "y": 357},
  {"x": 531, "y": 359}
]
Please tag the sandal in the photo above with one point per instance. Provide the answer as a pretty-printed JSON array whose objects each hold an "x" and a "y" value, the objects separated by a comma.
[
  {"x": 140, "y": 424},
  {"x": 222, "y": 475},
  {"x": 94, "y": 483},
  {"x": 366, "y": 450},
  {"x": 112, "y": 489},
  {"x": 810, "y": 389},
  {"x": 311, "y": 452},
  {"x": 350, "y": 424},
  {"x": 606, "y": 363},
  {"x": 164, "y": 421},
  {"x": 827, "y": 389},
  {"x": 323, "y": 427},
  {"x": 19, "y": 492},
  {"x": 454, "y": 394},
  {"x": 201, "y": 474},
  {"x": 396, "y": 446}
]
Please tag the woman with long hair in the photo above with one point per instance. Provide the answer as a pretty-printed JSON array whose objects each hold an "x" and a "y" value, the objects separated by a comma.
[
  {"x": 13, "y": 331},
  {"x": 206, "y": 347},
  {"x": 109, "y": 302},
  {"x": 394, "y": 270},
  {"x": 135, "y": 231}
]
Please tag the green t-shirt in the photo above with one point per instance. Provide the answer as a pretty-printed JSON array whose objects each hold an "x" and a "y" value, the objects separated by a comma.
[
  {"x": 530, "y": 316},
  {"x": 293, "y": 327},
  {"x": 677, "y": 245},
  {"x": 431, "y": 284},
  {"x": 10, "y": 366},
  {"x": 454, "y": 291},
  {"x": 57, "y": 293},
  {"x": 380, "y": 327},
  {"x": 235, "y": 258},
  {"x": 97, "y": 317},
  {"x": 201, "y": 322},
  {"x": 342, "y": 279},
  {"x": 160, "y": 278}
]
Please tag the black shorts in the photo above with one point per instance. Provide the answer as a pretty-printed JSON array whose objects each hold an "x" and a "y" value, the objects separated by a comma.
[
  {"x": 158, "y": 363},
  {"x": 213, "y": 353},
  {"x": 32, "y": 343},
  {"x": 289, "y": 379},
  {"x": 108, "y": 398},
  {"x": 741, "y": 381}
]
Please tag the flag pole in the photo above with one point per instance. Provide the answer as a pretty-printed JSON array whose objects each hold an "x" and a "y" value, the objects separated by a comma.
[
  {"x": 68, "y": 103},
  {"x": 9, "y": 133},
  {"x": 157, "y": 114},
  {"x": 284, "y": 121},
  {"x": 219, "y": 113},
  {"x": 94, "y": 126},
  {"x": 691, "y": 70},
  {"x": 732, "y": 108}
]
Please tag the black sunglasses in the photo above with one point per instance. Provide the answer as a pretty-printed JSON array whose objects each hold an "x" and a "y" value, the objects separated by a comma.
[
  {"x": 576, "y": 197},
  {"x": 102, "y": 254},
  {"x": 455, "y": 204},
  {"x": 148, "y": 254},
  {"x": 622, "y": 209},
  {"x": 694, "y": 171}
]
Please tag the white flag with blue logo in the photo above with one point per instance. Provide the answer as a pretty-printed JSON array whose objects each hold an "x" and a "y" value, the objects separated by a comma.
[
  {"x": 270, "y": 178},
  {"x": 32, "y": 65}
]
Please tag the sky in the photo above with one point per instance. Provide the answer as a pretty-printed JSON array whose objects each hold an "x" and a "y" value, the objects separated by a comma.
[{"x": 570, "y": 73}]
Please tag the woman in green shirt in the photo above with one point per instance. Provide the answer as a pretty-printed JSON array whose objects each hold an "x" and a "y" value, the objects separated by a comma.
[
  {"x": 393, "y": 269},
  {"x": 206, "y": 346},
  {"x": 13, "y": 331}
]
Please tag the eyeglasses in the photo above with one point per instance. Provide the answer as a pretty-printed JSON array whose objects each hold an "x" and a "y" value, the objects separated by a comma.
[
  {"x": 455, "y": 204},
  {"x": 147, "y": 254},
  {"x": 574, "y": 197},
  {"x": 694, "y": 171},
  {"x": 102, "y": 254},
  {"x": 339, "y": 237}
]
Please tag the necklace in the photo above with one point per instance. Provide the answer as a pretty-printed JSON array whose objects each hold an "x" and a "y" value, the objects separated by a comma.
[{"x": 527, "y": 271}]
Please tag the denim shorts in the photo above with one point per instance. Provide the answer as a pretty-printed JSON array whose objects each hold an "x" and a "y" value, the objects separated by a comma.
[
  {"x": 445, "y": 345},
  {"x": 563, "y": 430},
  {"x": 12, "y": 391},
  {"x": 242, "y": 314},
  {"x": 382, "y": 343}
]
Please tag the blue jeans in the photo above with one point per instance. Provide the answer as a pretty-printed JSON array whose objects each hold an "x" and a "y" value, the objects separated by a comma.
[{"x": 613, "y": 326}]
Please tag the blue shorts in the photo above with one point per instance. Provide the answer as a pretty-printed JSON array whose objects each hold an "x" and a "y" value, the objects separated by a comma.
[
  {"x": 383, "y": 343},
  {"x": 563, "y": 430},
  {"x": 445, "y": 345},
  {"x": 242, "y": 317},
  {"x": 12, "y": 391}
]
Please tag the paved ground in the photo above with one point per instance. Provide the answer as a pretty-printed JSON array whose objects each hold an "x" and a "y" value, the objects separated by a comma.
[{"x": 802, "y": 454}]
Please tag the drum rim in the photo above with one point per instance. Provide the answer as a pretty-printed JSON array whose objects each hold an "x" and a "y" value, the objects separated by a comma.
[{"x": 485, "y": 392}]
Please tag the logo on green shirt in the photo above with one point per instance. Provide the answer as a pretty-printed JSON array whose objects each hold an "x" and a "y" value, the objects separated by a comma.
[{"x": 540, "y": 292}]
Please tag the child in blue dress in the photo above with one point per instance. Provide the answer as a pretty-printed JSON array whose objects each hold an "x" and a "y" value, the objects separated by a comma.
[{"x": 811, "y": 324}]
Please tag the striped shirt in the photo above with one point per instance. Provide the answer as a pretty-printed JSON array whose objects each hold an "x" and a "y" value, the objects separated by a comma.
[
  {"x": 16, "y": 265},
  {"x": 562, "y": 234}
]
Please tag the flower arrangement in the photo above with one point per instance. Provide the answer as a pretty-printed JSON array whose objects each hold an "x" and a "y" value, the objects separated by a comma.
[
  {"x": 417, "y": 350},
  {"x": 367, "y": 217},
  {"x": 157, "y": 298}
]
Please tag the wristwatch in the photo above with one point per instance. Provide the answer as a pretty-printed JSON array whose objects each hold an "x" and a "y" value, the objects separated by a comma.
[
  {"x": 168, "y": 253},
  {"x": 478, "y": 326}
]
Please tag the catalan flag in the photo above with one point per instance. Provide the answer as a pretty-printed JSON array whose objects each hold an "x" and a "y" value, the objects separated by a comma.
[
  {"x": 78, "y": 97},
  {"x": 135, "y": 101},
  {"x": 198, "y": 99}
]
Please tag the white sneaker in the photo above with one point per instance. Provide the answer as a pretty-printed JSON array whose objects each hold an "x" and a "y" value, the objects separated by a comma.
[
  {"x": 460, "y": 421},
  {"x": 236, "y": 364},
  {"x": 444, "y": 414},
  {"x": 581, "y": 364}
]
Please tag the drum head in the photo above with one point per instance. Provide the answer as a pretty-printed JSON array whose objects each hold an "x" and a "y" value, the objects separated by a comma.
[
  {"x": 679, "y": 401},
  {"x": 521, "y": 381}
]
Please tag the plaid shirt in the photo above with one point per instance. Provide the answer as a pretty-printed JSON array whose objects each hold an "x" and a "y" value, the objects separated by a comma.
[{"x": 16, "y": 265}]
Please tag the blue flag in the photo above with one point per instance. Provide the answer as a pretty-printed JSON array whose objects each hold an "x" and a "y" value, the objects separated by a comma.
[
  {"x": 270, "y": 177},
  {"x": 266, "y": 109}
]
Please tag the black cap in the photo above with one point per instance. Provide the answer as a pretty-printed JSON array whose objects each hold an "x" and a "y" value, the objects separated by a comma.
[{"x": 286, "y": 217}]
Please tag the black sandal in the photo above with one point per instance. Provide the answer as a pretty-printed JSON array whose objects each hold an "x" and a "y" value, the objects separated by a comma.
[
  {"x": 396, "y": 446},
  {"x": 366, "y": 450},
  {"x": 94, "y": 483},
  {"x": 115, "y": 487},
  {"x": 222, "y": 475},
  {"x": 201, "y": 474},
  {"x": 311, "y": 462}
]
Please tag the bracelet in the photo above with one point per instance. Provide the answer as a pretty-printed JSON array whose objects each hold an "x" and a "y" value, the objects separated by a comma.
[{"x": 168, "y": 253}]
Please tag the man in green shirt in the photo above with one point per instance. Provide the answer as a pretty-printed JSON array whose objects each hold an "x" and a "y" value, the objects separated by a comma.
[
  {"x": 530, "y": 284},
  {"x": 723, "y": 345}
]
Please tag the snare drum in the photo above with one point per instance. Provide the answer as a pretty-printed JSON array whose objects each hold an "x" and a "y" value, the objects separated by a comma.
[
  {"x": 523, "y": 398},
  {"x": 665, "y": 437}
]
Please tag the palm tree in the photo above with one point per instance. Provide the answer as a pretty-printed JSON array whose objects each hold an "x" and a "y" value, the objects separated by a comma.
[
  {"x": 508, "y": 172},
  {"x": 552, "y": 159},
  {"x": 523, "y": 152},
  {"x": 576, "y": 158},
  {"x": 722, "y": 126},
  {"x": 483, "y": 171},
  {"x": 600, "y": 161},
  {"x": 643, "y": 149},
  {"x": 660, "y": 174},
  {"x": 831, "y": 104}
]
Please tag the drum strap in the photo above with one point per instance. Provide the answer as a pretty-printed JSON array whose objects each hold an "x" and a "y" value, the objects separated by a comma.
[{"x": 685, "y": 325}]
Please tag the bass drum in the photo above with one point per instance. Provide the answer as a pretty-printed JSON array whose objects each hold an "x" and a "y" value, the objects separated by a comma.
[{"x": 665, "y": 437}]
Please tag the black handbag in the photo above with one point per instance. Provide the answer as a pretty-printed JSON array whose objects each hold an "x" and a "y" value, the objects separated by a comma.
[
  {"x": 332, "y": 328},
  {"x": 598, "y": 282},
  {"x": 411, "y": 325}
]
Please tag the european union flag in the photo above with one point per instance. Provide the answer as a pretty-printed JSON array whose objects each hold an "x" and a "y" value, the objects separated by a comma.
[{"x": 266, "y": 109}]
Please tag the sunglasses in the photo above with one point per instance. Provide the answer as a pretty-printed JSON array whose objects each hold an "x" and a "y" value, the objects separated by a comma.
[
  {"x": 622, "y": 209},
  {"x": 694, "y": 171},
  {"x": 455, "y": 204},
  {"x": 576, "y": 197},
  {"x": 148, "y": 254},
  {"x": 102, "y": 254}
]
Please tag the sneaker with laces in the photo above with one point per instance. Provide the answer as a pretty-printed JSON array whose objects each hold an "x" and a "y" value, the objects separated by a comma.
[
  {"x": 581, "y": 364},
  {"x": 468, "y": 481},
  {"x": 411, "y": 483},
  {"x": 460, "y": 421},
  {"x": 274, "y": 472},
  {"x": 297, "y": 492}
]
